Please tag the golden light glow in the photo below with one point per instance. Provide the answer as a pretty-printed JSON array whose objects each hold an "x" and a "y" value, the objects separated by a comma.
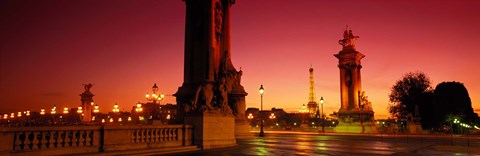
[
  {"x": 119, "y": 119},
  {"x": 12, "y": 115},
  {"x": 168, "y": 117},
  {"x": 19, "y": 114},
  {"x": 139, "y": 108},
  {"x": 5, "y": 116},
  {"x": 115, "y": 108},
  {"x": 111, "y": 119},
  {"x": 250, "y": 116},
  {"x": 42, "y": 112},
  {"x": 261, "y": 90},
  {"x": 65, "y": 110},
  {"x": 103, "y": 120},
  {"x": 54, "y": 110},
  {"x": 79, "y": 111},
  {"x": 272, "y": 116},
  {"x": 129, "y": 119},
  {"x": 95, "y": 109},
  {"x": 303, "y": 109},
  {"x": 27, "y": 113}
]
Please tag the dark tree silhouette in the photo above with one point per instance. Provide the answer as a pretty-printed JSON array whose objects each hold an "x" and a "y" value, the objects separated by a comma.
[
  {"x": 412, "y": 92},
  {"x": 451, "y": 98}
]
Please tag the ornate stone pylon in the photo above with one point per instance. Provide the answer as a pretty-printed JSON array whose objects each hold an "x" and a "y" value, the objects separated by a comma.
[
  {"x": 87, "y": 101},
  {"x": 351, "y": 109},
  {"x": 211, "y": 97}
]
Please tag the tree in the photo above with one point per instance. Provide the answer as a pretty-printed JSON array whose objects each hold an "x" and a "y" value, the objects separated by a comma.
[
  {"x": 409, "y": 95},
  {"x": 452, "y": 98}
]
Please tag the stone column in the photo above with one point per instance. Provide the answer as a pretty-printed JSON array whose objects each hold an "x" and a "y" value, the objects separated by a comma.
[
  {"x": 350, "y": 81},
  {"x": 201, "y": 98},
  {"x": 86, "y": 99}
]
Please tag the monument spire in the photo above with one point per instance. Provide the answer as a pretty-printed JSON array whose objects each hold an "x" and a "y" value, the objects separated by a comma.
[
  {"x": 312, "y": 102},
  {"x": 311, "y": 94}
]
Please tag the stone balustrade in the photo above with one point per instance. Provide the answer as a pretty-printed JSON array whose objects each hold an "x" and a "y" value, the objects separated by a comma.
[{"x": 54, "y": 140}]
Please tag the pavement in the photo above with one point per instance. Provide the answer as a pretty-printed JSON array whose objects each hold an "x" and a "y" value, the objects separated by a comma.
[{"x": 344, "y": 144}]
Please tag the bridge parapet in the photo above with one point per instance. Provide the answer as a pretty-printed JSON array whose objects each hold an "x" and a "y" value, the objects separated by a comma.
[{"x": 55, "y": 140}]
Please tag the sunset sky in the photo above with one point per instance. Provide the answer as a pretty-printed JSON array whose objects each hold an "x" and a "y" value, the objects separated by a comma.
[{"x": 50, "y": 48}]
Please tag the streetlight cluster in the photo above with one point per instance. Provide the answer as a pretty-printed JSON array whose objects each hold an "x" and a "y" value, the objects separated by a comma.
[
  {"x": 303, "y": 109},
  {"x": 272, "y": 116},
  {"x": 19, "y": 115},
  {"x": 139, "y": 108},
  {"x": 250, "y": 116},
  {"x": 115, "y": 108},
  {"x": 456, "y": 121},
  {"x": 154, "y": 97}
]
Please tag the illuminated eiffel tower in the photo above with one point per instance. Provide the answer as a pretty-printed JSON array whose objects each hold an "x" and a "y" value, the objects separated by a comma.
[{"x": 312, "y": 102}]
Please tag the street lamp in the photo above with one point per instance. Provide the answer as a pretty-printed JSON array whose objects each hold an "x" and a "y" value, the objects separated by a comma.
[
  {"x": 65, "y": 110},
  {"x": 272, "y": 116},
  {"x": 54, "y": 110},
  {"x": 323, "y": 117},
  {"x": 250, "y": 116},
  {"x": 154, "y": 97},
  {"x": 303, "y": 110},
  {"x": 262, "y": 134},
  {"x": 42, "y": 111},
  {"x": 115, "y": 108},
  {"x": 139, "y": 108},
  {"x": 95, "y": 109},
  {"x": 79, "y": 110}
]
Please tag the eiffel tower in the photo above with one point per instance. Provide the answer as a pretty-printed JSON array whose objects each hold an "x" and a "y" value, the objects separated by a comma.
[{"x": 312, "y": 102}]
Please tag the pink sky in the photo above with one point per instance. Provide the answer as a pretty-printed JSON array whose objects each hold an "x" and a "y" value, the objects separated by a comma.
[{"x": 50, "y": 48}]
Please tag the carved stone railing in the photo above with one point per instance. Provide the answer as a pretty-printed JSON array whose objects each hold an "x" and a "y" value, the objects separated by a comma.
[
  {"x": 146, "y": 136},
  {"x": 58, "y": 140},
  {"x": 49, "y": 140}
]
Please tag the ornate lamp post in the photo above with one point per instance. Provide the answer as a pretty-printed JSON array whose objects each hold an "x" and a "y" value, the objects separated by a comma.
[
  {"x": 250, "y": 117},
  {"x": 321, "y": 114},
  {"x": 272, "y": 117},
  {"x": 54, "y": 110},
  {"x": 154, "y": 97},
  {"x": 65, "y": 110},
  {"x": 80, "y": 112},
  {"x": 262, "y": 134},
  {"x": 139, "y": 109},
  {"x": 115, "y": 108},
  {"x": 95, "y": 109}
]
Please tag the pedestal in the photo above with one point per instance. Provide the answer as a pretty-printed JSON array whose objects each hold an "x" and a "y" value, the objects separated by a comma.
[
  {"x": 414, "y": 128},
  {"x": 356, "y": 121},
  {"x": 212, "y": 129},
  {"x": 242, "y": 129}
]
